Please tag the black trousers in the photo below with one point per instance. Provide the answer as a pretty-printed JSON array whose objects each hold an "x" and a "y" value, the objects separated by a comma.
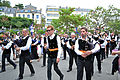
[
  {"x": 81, "y": 64},
  {"x": 52, "y": 61},
  {"x": 98, "y": 61},
  {"x": 72, "y": 55},
  {"x": 44, "y": 56},
  {"x": 22, "y": 61},
  {"x": 102, "y": 51},
  {"x": 64, "y": 51},
  {"x": 34, "y": 54},
  {"x": 8, "y": 59},
  {"x": 107, "y": 51}
]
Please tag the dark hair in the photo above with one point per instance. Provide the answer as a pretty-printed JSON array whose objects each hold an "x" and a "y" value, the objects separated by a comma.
[{"x": 84, "y": 29}]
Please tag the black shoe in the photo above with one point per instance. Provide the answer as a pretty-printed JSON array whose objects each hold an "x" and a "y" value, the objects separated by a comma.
[
  {"x": 43, "y": 66},
  {"x": 69, "y": 70},
  {"x": 61, "y": 78},
  {"x": 2, "y": 71},
  {"x": 32, "y": 74},
  {"x": 15, "y": 66},
  {"x": 19, "y": 78}
]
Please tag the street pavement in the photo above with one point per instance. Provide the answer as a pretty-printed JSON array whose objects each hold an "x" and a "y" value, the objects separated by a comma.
[{"x": 41, "y": 72}]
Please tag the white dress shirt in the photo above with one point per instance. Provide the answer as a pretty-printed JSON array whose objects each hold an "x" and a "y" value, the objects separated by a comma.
[
  {"x": 104, "y": 44},
  {"x": 8, "y": 45},
  {"x": 58, "y": 43},
  {"x": 36, "y": 41},
  {"x": 68, "y": 44},
  {"x": 27, "y": 46},
  {"x": 42, "y": 41},
  {"x": 63, "y": 41},
  {"x": 96, "y": 48}
]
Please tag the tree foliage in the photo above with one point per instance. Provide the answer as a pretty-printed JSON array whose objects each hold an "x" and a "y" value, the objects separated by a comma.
[
  {"x": 67, "y": 21},
  {"x": 5, "y": 3},
  {"x": 19, "y": 6},
  {"x": 15, "y": 22},
  {"x": 105, "y": 19}
]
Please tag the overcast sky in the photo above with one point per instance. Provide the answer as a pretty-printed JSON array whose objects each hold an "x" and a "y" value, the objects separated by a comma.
[{"x": 90, "y": 4}]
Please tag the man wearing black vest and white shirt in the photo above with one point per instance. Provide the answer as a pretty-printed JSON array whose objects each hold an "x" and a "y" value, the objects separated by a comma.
[
  {"x": 64, "y": 43},
  {"x": 97, "y": 54},
  {"x": 112, "y": 42},
  {"x": 54, "y": 52},
  {"x": 44, "y": 51},
  {"x": 24, "y": 46},
  {"x": 72, "y": 53},
  {"x": 6, "y": 47},
  {"x": 84, "y": 49}
]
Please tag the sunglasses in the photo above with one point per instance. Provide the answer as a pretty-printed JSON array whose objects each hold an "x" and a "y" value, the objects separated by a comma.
[{"x": 48, "y": 30}]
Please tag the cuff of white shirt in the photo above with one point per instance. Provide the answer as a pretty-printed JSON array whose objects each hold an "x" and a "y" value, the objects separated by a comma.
[
  {"x": 80, "y": 53},
  {"x": 93, "y": 51},
  {"x": 21, "y": 48},
  {"x": 5, "y": 47}
]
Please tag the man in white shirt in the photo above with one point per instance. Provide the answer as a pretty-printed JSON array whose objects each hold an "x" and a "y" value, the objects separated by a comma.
[
  {"x": 64, "y": 43},
  {"x": 72, "y": 54},
  {"x": 44, "y": 51},
  {"x": 6, "y": 47},
  {"x": 54, "y": 47},
  {"x": 84, "y": 49},
  {"x": 24, "y": 46}
]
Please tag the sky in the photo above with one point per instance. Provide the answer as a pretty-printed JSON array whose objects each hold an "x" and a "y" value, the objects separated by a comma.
[{"x": 88, "y": 4}]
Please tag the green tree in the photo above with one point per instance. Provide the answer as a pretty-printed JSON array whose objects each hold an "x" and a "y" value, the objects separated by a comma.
[
  {"x": 18, "y": 24},
  {"x": 15, "y": 22},
  {"x": 24, "y": 22},
  {"x": 4, "y": 21},
  {"x": 5, "y": 3},
  {"x": 43, "y": 22},
  {"x": 20, "y": 6},
  {"x": 97, "y": 18},
  {"x": 56, "y": 23},
  {"x": 65, "y": 17},
  {"x": 114, "y": 19}
]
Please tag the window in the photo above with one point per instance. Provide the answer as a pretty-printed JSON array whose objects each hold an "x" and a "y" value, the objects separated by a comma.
[
  {"x": 37, "y": 16},
  {"x": 21, "y": 10},
  {"x": 49, "y": 20},
  {"x": 28, "y": 11},
  {"x": 23, "y": 15},
  {"x": 56, "y": 10},
  {"x": 50, "y": 9},
  {"x": 28, "y": 16},
  {"x": 53, "y": 15},
  {"x": 18, "y": 15},
  {"x": 82, "y": 14}
]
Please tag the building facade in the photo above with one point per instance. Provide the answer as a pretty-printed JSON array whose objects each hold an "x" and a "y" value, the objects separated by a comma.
[
  {"x": 52, "y": 12},
  {"x": 11, "y": 12},
  {"x": 30, "y": 12}
]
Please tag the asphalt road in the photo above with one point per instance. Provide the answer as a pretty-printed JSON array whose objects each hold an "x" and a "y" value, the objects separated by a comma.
[{"x": 41, "y": 74}]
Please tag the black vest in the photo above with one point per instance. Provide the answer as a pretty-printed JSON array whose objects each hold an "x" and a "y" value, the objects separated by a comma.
[
  {"x": 72, "y": 42},
  {"x": 112, "y": 37},
  {"x": 65, "y": 40},
  {"x": 22, "y": 44},
  {"x": 52, "y": 43},
  {"x": 33, "y": 41},
  {"x": 85, "y": 45},
  {"x": 45, "y": 40},
  {"x": 6, "y": 51}
]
